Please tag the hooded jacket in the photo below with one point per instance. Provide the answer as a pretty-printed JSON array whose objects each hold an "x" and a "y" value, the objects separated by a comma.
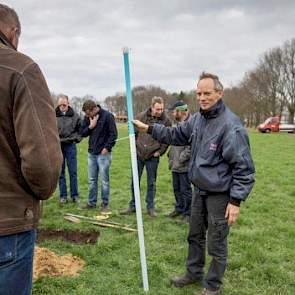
[{"x": 30, "y": 153}]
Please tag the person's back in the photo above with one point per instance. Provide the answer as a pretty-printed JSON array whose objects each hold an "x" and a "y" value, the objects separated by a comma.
[
  {"x": 26, "y": 129},
  {"x": 30, "y": 156}
]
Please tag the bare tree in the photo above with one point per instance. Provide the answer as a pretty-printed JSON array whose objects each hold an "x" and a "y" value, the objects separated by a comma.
[
  {"x": 288, "y": 77},
  {"x": 116, "y": 104},
  {"x": 271, "y": 69}
]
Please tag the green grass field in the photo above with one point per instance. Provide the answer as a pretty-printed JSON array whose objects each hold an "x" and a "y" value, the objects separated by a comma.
[{"x": 261, "y": 244}]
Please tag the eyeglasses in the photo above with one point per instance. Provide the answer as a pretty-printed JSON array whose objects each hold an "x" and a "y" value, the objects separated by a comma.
[
  {"x": 63, "y": 105},
  {"x": 206, "y": 93}
]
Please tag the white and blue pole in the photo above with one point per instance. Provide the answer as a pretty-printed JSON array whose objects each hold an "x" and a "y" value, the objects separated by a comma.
[{"x": 135, "y": 171}]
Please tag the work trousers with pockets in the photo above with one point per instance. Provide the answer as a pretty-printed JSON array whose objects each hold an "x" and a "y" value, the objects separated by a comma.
[{"x": 208, "y": 224}]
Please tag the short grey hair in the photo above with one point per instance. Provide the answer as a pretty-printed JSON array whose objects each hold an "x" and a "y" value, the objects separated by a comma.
[
  {"x": 63, "y": 96},
  {"x": 157, "y": 99},
  {"x": 8, "y": 18},
  {"x": 217, "y": 84}
]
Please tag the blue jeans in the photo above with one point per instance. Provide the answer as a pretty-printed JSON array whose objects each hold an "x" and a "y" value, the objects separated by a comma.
[
  {"x": 69, "y": 152},
  {"x": 16, "y": 263},
  {"x": 151, "y": 171},
  {"x": 182, "y": 192},
  {"x": 99, "y": 164}
]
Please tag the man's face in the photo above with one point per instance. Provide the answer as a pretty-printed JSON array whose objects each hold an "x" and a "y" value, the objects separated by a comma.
[
  {"x": 91, "y": 113},
  {"x": 176, "y": 115},
  {"x": 63, "y": 105},
  {"x": 207, "y": 96},
  {"x": 157, "y": 109}
]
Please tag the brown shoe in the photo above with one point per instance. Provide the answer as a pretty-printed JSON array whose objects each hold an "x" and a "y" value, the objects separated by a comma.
[
  {"x": 173, "y": 214},
  {"x": 88, "y": 207},
  {"x": 127, "y": 211},
  {"x": 183, "y": 280},
  {"x": 151, "y": 212},
  {"x": 183, "y": 220},
  {"x": 208, "y": 292},
  {"x": 105, "y": 209}
]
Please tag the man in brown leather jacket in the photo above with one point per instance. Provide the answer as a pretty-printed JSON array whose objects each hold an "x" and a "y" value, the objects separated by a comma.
[
  {"x": 148, "y": 154},
  {"x": 30, "y": 156}
]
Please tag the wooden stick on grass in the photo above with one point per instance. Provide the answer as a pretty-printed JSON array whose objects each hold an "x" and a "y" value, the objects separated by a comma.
[{"x": 76, "y": 219}]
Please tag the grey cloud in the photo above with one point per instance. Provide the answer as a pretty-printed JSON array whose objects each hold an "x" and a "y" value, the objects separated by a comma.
[{"x": 78, "y": 43}]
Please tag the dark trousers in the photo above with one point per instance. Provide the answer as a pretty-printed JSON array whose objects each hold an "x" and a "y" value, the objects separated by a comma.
[
  {"x": 151, "y": 172},
  {"x": 207, "y": 216},
  {"x": 182, "y": 192},
  {"x": 69, "y": 152}
]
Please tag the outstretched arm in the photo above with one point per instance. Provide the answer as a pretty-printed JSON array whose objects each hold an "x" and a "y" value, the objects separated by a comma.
[{"x": 178, "y": 135}]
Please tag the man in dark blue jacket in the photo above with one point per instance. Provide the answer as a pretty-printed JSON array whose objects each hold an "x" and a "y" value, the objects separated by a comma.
[
  {"x": 100, "y": 126},
  {"x": 222, "y": 171}
]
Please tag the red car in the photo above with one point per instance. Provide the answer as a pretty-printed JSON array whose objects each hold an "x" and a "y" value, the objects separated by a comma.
[{"x": 273, "y": 124}]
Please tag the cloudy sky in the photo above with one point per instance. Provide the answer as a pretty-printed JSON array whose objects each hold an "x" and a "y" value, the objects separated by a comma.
[{"x": 78, "y": 44}]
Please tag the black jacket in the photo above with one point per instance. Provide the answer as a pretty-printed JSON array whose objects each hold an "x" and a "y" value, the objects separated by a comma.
[
  {"x": 69, "y": 126},
  {"x": 220, "y": 152},
  {"x": 104, "y": 134}
]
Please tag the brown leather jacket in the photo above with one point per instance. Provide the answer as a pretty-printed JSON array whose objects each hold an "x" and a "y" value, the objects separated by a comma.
[
  {"x": 30, "y": 155},
  {"x": 146, "y": 146}
]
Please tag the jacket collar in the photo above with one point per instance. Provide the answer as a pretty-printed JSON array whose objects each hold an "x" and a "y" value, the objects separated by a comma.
[
  {"x": 188, "y": 116},
  {"x": 5, "y": 41},
  {"x": 69, "y": 113},
  {"x": 214, "y": 111}
]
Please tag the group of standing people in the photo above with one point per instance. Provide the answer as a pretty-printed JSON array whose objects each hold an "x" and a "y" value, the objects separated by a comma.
[
  {"x": 210, "y": 150},
  {"x": 149, "y": 152},
  {"x": 99, "y": 125}
]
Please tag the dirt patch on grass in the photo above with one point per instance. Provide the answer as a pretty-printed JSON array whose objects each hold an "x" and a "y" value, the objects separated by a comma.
[
  {"x": 47, "y": 263},
  {"x": 72, "y": 236}
]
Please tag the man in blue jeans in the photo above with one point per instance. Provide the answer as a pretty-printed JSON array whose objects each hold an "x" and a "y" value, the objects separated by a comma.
[
  {"x": 100, "y": 126},
  {"x": 69, "y": 125},
  {"x": 30, "y": 156}
]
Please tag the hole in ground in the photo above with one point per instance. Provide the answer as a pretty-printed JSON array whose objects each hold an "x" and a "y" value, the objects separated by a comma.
[{"x": 72, "y": 236}]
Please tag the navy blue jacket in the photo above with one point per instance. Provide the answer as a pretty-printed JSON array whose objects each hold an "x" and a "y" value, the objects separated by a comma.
[
  {"x": 104, "y": 134},
  {"x": 220, "y": 152}
]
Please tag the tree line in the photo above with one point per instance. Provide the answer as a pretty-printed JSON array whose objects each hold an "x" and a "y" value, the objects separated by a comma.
[{"x": 266, "y": 90}]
